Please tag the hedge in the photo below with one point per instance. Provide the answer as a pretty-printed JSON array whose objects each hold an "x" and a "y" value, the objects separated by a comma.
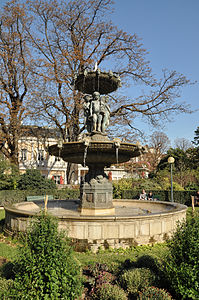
[
  {"x": 183, "y": 197},
  {"x": 15, "y": 196}
]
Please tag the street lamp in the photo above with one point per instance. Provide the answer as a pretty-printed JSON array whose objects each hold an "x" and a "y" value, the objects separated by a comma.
[{"x": 171, "y": 161}]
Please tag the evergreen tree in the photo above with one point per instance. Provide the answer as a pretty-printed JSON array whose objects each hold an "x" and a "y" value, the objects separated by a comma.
[{"x": 196, "y": 138}]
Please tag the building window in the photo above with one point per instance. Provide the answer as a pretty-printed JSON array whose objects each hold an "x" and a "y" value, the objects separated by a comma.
[
  {"x": 56, "y": 179},
  {"x": 40, "y": 155},
  {"x": 57, "y": 158},
  {"x": 24, "y": 154}
]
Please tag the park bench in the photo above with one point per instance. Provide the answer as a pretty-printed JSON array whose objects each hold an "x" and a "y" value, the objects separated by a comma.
[{"x": 39, "y": 198}]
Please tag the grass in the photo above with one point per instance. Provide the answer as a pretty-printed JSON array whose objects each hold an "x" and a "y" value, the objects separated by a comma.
[
  {"x": 190, "y": 212},
  {"x": 7, "y": 246},
  {"x": 114, "y": 259}
]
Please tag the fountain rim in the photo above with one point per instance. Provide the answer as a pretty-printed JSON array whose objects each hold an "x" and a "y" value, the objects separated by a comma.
[
  {"x": 74, "y": 151},
  {"x": 92, "y": 143},
  {"x": 176, "y": 208}
]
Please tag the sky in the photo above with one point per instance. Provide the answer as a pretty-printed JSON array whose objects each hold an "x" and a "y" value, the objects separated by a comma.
[{"x": 169, "y": 30}]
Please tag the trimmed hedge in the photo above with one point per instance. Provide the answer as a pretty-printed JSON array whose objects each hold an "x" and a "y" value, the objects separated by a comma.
[
  {"x": 15, "y": 196},
  {"x": 183, "y": 197}
]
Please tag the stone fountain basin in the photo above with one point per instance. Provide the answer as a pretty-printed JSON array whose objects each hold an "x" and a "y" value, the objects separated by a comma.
[
  {"x": 135, "y": 222},
  {"x": 102, "y": 152}
]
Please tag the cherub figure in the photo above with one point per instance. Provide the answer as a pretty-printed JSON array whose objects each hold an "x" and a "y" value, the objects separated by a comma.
[
  {"x": 87, "y": 116},
  {"x": 105, "y": 112},
  {"x": 95, "y": 112}
]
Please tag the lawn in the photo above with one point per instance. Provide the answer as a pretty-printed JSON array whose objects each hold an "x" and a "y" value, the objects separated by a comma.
[{"x": 8, "y": 247}]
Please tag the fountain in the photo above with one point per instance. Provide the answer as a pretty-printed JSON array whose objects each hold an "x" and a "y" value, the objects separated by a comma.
[{"x": 96, "y": 219}]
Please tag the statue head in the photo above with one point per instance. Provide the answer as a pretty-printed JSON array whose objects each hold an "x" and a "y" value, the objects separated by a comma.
[
  {"x": 87, "y": 98},
  {"x": 96, "y": 95}
]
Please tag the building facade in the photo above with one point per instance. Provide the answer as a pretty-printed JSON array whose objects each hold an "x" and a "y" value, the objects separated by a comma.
[{"x": 33, "y": 153}]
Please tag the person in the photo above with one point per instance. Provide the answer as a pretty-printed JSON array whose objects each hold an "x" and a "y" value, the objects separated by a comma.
[
  {"x": 150, "y": 196},
  {"x": 143, "y": 195}
]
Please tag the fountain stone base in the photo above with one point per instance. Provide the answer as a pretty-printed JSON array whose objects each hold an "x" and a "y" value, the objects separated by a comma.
[{"x": 96, "y": 193}]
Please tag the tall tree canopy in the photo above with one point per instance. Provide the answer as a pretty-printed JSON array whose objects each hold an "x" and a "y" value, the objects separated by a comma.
[
  {"x": 53, "y": 41},
  {"x": 15, "y": 62},
  {"x": 70, "y": 37}
]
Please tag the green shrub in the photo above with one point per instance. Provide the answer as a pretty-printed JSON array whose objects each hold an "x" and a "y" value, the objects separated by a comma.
[
  {"x": 110, "y": 292},
  {"x": 136, "y": 279},
  {"x": 66, "y": 194},
  {"x": 183, "y": 197},
  {"x": 45, "y": 267},
  {"x": 182, "y": 268},
  {"x": 15, "y": 196},
  {"x": 96, "y": 275},
  {"x": 5, "y": 286},
  {"x": 33, "y": 179},
  {"x": 155, "y": 293},
  {"x": 149, "y": 262},
  {"x": 9, "y": 174}
]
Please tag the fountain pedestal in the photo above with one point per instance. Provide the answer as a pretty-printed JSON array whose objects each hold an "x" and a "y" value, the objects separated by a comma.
[{"x": 96, "y": 192}]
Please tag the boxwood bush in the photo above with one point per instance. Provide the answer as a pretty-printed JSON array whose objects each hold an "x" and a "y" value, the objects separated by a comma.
[
  {"x": 45, "y": 267},
  {"x": 182, "y": 264},
  {"x": 134, "y": 280},
  {"x": 110, "y": 292},
  {"x": 155, "y": 293}
]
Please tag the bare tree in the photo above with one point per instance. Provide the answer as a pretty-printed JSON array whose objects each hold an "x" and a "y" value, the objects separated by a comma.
[
  {"x": 182, "y": 144},
  {"x": 66, "y": 38},
  {"x": 158, "y": 145},
  {"x": 14, "y": 72},
  {"x": 69, "y": 38}
]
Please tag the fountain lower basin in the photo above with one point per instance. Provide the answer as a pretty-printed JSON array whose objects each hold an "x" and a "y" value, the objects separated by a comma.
[{"x": 135, "y": 222}]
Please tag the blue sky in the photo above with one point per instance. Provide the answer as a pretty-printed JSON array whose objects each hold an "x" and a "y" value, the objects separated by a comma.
[{"x": 170, "y": 32}]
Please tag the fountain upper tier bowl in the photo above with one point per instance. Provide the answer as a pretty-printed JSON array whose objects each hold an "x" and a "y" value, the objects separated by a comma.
[
  {"x": 91, "y": 81},
  {"x": 98, "y": 152}
]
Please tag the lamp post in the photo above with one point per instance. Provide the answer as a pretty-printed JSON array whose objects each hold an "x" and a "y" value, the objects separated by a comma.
[{"x": 171, "y": 161}]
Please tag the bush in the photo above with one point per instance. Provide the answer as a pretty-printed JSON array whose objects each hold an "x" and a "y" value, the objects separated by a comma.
[
  {"x": 5, "y": 286},
  {"x": 96, "y": 276},
  {"x": 152, "y": 292},
  {"x": 136, "y": 279},
  {"x": 183, "y": 197},
  {"x": 45, "y": 267},
  {"x": 149, "y": 262},
  {"x": 33, "y": 179},
  {"x": 9, "y": 174},
  {"x": 15, "y": 196},
  {"x": 182, "y": 268},
  {"x": 110, "y": 292}
]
